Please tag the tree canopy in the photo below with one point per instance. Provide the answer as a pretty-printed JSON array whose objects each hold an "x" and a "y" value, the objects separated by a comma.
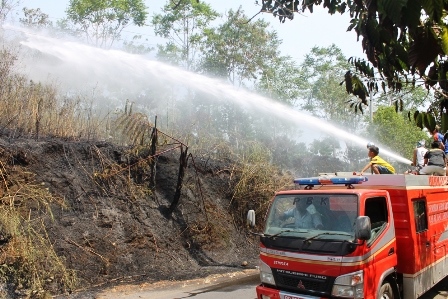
[
  {"x": 395, "y": 130},
  {"x": 239, "y": 50},
  {"x": 405, "y": 41},
  {"x": 35, "y": 18},
  {"x": 182, "y": 25},
  {"x": 102, "y": 21}
]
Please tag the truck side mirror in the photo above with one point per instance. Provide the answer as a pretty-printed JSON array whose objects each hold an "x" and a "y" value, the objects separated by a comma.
[
  {"x": 363, "y": 228},
  {"x": 251, "y": 218}
]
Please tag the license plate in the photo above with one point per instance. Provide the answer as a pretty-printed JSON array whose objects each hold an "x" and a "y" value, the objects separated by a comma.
[{"x": 292, "y": 296}]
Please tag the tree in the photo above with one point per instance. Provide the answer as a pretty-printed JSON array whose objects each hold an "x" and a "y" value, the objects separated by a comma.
[
  {"x": 102, "y": 21},
  {"x": 324, "y": 147},
  {"x": 408, "y": 99},
  {"x": 242, "y": 53},
  {"x": 6, "y": 7},
  {"x": 136, "y": 47},
  {"x": 405, "y": 41},
  {"x": 182, "y": 24},
  {"x": 35, "y": 18},
  {"x": 395, "y": 130},
  {"x": 320, "y": 71},
  {"x": 321, "y": 96},
  {"x": 281, "y": 79},
  {"x": 238, "y": 50}
]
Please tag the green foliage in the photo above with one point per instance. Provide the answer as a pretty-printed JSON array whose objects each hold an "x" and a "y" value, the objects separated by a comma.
[
  {"x": 102, "y": 21},
  {"x": 135, "y": 47},
  {"x": 281, "y": 79},
  {"x": 325, "y": 147},
  {"x": 35, "y": 18},
  {"x": 405, "y": 41},
  {"x": 311, "y": 165},
  {"x": 285, "y": 151},
  {"x": 408, "y": 98},
  {"x": 356, "y": 158},
  {"x": 183, "y": 25},
  {"x": 320, "y": 73},
  {"x": 239, "y": 50},
  {"x": 395, "y": 130},
  {"x": 425, "y": 120}
]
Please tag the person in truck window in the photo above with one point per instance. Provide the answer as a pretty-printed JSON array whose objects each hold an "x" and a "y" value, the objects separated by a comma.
[
  {"x": 377, "y": 164},
  {"x": 302, "y": 217},
  {"x": 435, "y": 160}
]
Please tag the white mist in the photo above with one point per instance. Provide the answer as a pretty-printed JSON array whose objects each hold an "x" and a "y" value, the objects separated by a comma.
[{"x": 82, "y": 66}]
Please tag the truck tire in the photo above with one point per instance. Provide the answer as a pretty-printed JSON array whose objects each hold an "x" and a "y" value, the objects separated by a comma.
[{"x": 386, "y": 291}]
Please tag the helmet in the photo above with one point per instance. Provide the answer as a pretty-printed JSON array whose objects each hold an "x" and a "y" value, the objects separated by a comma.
[
  {"x": 421, "y": 143},
  {"x": 370, "y": 144}
]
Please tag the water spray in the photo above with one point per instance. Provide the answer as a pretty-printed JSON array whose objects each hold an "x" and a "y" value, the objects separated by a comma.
[{"x": 73, "y": 58}]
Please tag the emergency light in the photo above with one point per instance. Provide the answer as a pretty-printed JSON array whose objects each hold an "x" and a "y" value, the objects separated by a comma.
[{"x": 328, "y": 180}]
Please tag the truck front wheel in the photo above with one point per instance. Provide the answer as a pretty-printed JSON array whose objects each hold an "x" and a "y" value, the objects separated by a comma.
[{"x": 386, "y": 291}]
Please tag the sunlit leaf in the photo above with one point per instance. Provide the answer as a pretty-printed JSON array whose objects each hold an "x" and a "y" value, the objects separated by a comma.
[{"x": 444, "y": 38}]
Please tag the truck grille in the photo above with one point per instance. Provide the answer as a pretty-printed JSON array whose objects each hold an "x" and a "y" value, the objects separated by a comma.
[{"x": 303, "y": 284}]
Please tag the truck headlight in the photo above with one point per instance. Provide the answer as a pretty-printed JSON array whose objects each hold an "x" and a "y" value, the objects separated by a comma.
[
  {"x": 349, "y": 285},
  {"x": 266, "y": 274}
]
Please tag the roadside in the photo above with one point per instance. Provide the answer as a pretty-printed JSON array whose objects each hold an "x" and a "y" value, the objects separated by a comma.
[{"x": 163, "y": 289}]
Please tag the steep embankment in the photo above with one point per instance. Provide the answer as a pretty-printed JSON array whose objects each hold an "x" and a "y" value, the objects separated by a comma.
[{"x": 109, "y": 229}]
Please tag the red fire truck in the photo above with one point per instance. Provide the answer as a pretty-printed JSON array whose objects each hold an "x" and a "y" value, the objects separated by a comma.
[{"x": 371, "y": 237}]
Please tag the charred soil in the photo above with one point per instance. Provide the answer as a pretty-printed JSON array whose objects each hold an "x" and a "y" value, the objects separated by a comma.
[{"x": 109, "y": 227}]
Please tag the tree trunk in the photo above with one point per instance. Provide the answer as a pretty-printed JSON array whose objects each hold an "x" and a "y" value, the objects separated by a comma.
[
  {"x": 180, "y": 178},
  {"x": 153, "y": 150}
]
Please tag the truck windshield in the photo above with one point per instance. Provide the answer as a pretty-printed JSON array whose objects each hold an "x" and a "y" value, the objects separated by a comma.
[{"x": 314, "y": 216}]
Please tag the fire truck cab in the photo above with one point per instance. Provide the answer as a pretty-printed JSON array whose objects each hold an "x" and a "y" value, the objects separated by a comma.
[{"x": 342, "y": 236}]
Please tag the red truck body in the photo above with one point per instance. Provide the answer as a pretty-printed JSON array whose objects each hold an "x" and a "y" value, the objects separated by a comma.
[{"x": 403, "y": 257}]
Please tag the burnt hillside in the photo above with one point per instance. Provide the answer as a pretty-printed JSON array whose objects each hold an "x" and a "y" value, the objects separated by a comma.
[{"x": 104, "y": 226}]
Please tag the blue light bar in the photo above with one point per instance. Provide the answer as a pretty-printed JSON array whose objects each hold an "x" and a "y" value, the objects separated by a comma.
[
  {"x": 312, "y": 181},
  {"x": 349, "y": 180},
  {"x": 307, "y": 181}
]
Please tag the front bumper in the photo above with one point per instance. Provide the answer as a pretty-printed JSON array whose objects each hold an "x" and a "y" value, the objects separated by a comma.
[{"x": 268, "y": 293}]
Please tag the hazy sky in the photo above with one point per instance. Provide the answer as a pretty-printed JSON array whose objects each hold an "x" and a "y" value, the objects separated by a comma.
[{"x": 299, "y": 35}]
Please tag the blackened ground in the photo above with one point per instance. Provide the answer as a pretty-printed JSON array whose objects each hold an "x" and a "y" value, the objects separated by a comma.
[{"x": 114, "y": 230}]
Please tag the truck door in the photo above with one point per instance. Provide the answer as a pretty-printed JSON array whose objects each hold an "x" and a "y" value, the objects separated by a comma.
[
  {"x": 421, "y": 230},
  {"x": 437, "y": 235},
  {"x": 382, "y": 244}
]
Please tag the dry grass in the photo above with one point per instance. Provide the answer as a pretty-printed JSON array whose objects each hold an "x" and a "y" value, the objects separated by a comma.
[
  {"x": 252, "y": 182},
  {"x": 256, "y": 181},
  {"x": 33, "y": 109},
  {"x": 30, "y": 109},
  {"x": 133, "y": 174},
  {"x": 27, "y": 257}
]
